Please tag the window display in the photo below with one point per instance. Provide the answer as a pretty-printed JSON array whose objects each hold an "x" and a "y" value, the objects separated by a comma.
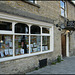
[
  {"x": 21, "y": 44},
  {"x": 35, "y": 44},
  {"x": 45, "y": 30},
  {"x": 45, "y": 43},
  {"x": 6, "y": 45},
  {"x": 16, "y": 42}
]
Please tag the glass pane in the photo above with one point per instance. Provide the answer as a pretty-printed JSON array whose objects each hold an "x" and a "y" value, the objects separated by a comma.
[
  {"x": 6, "y": 45},
  {"x": 33, "y": 1},
  {"x": 21, "y": 28},
  {"x": 45, "y": 30},
  {"x": 35, "y": 29},
  {"x": 62, "y": 4},
  {"x": 21, "y": 44},
  {"x": 45, "y": 43},
  {"x": 62, "y": 12},
  {"x": 35, "y": 45},
  {"x": 5, "y": 26}
]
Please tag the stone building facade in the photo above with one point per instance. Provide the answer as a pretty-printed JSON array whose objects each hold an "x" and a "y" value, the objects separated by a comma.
[{"x": 42, "y": 12}]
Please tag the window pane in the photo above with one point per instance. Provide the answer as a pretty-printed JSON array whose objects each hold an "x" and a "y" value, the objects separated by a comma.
[
  {"x": 6, "y": 45},
  {"x": 33, "y": 1},
  {"x": 45, "y": 43},
  {"x": 21, "y": 44},
  {"x": 21, "y": 28},
  {"x": 35, "y": 45},
  {"x": 35, "y": 29},
  {"x": 5, "y": 26},
  {"x": 62, "y": 12},
  {"x": 45, "y": 30},
  {"x": 62, "y": 4}
]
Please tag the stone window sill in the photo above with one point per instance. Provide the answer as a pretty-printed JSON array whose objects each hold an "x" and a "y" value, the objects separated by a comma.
[{"x": 32, "y": 4}]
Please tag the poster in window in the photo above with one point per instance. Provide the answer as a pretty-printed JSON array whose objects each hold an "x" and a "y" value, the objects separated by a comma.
[
  {"x": 42, "y": 47},
  {"x": 31, "y": 45},
  {"x": 22, "y": 51},
  {"x": 34, "y": 49},
  {"x": 1, "y": 53},
  {"x": 46, "y": 47},
  {"x": 6, "y": 52},
  {"x": 17, "y": 51},
  {"x": 10, "y": 51},
  {"x": 27, "y": 46}
]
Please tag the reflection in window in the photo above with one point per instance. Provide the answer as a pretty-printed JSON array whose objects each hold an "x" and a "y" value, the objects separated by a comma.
[
  {"x": 35, "y": 44},
  {"x": 45, "y": 43},
  {"x": 5, "y": 26},
  {"x": 6, "y": 45},
  {"x": 45, "y": 30},
  {"x": 62, "y": 12},
  {"x": 62, "y": 4},
  {"x": 21, "y": 44},
  {"x": 21, "y": 28},
  {"x": 35, "y": 29},
  {"x": 33, "y": 1},
  {"x": 63, "y": 9}
]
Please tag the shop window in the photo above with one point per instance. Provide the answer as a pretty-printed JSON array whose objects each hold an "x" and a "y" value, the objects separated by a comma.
[
  {"x": 21, "y": 44},
  {"x": 21, "y": 28},
  {"x": 5, "y": 26},
  {"x": 45, "y": 43},
  {"x": 35, "y": 29},
  {"x": 45, "y": 30},
  {"x": 35, "y": 45},
  {"x": 6, "y": 45}
]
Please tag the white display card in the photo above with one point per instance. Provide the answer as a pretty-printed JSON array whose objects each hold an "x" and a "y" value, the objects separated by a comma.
[
  {"x": 27, "y": 46},
  {"x": 10, "y": 44},
  {"x": 17, "y": 51},
  {"x": 35, "y": 45},
  {"x": 31, "y": 45},
  {"x": 46, "y": 47},
  {"x": 30, "y": 49},
  {"x": 10, "y": 51},
  {"x": 34, "y": 49},
  {"x": 42, "y": 47},
  {"x": 1, "y": 52},
  {"x": 22, "y": 51},
  {"x": 6, "y": 52}
]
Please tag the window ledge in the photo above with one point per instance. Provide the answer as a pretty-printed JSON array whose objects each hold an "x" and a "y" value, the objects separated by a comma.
[{"x": 32, "y": 4}]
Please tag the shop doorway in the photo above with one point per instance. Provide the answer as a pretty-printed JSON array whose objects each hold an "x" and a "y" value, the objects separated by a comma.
[{"x": 63, "y": 45}]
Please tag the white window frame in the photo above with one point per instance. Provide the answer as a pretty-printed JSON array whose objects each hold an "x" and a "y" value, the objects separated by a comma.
[
  {"x": 29, "y": 22},
  {"x": 64, "y": 9}
]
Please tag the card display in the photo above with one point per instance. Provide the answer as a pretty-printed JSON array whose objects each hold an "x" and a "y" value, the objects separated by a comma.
[
  {"x": 21, "y": 44},
  {"x": 35, "y": 43},
  {"x": 6, "y": 45}
]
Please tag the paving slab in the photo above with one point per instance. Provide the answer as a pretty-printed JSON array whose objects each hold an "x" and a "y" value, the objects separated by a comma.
[{"x": 65, "y": 67}]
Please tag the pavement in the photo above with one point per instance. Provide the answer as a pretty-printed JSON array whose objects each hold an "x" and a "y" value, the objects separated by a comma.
[{"x": 64, "y": 67}]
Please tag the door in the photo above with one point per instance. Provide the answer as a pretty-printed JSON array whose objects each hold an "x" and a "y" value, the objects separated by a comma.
[{"x": 63, "y": 45}]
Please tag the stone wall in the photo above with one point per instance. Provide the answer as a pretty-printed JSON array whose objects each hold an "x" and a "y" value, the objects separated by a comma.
[{"x": 48, "y": 9}]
